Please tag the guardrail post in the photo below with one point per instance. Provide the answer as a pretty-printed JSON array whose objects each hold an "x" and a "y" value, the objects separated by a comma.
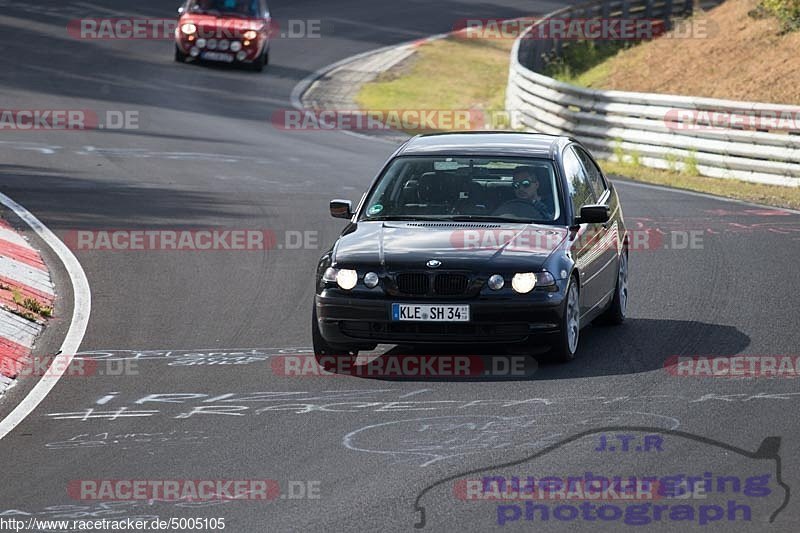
[
  {"x": 626, "y": 5},
  {"x": 668, "y": 15}
]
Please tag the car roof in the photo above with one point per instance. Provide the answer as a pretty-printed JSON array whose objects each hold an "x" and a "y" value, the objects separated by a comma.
[{"x": 485, "y": 143}]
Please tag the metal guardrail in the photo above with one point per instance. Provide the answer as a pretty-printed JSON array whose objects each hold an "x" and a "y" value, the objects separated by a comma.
[{"x": 657, "y": 130}]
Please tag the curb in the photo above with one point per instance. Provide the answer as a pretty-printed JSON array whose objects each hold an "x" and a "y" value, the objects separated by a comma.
[{"x": 24, "y": 277}]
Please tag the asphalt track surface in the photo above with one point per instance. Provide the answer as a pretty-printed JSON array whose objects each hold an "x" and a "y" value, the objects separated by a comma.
[{"x": 378, "y": 450}]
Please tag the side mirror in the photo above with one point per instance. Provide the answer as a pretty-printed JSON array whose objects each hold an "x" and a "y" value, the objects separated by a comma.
[
  {"x": 595, "y": 214},
  {"x": 341, "y": 209},
  {"x": 180, "y": 11}
]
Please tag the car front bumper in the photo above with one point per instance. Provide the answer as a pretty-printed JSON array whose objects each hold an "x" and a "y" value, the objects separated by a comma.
[{"x": 347, "y": 321}]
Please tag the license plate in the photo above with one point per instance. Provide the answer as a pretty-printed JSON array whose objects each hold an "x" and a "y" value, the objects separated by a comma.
[
  {"x": 430, "y": 313},
  {"x": 217, "y": 56}
]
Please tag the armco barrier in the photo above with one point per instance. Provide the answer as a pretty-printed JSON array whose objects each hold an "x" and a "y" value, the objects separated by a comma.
[{"x": 659, "y": 130}]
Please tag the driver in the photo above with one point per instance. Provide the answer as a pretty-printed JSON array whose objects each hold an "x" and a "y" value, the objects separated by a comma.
[{"x": 528, "y": 203}]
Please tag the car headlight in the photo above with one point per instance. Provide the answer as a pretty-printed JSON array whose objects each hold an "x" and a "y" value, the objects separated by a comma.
[
  {"x": 523, "y": 282},
  {"x": 347, "y": 279},
  {"x": 188, "y": 28},
  {"x": 496, "y": 282},
  {"x": 250, "y": 34},
  {"x": 330, "y": 275}
]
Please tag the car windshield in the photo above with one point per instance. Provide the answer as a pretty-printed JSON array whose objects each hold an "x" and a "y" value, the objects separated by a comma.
[
  {"x": 244, "y": 8},
  {"x": 466, "y": 188}
]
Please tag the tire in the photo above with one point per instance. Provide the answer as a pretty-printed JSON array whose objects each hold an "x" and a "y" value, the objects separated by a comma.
[
  {"x": 180, "y": 57},
  {"x": 566, "y": 344},
  {"x": 258, "y": 64},
  {"x": 615, "y": 314},
  {"x": 322, "y": 349}
]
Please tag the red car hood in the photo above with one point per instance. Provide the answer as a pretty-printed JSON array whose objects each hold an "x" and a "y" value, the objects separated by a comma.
[{"x": 211, "y": 22}]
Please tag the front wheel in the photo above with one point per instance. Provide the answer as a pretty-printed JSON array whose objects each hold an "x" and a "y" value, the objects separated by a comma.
[
  {"x": 324, "y": 352},
  {"x": 263, "y": 59},
  {"x": 180, "y": 57},
  {"x": 566, "y": 344}
]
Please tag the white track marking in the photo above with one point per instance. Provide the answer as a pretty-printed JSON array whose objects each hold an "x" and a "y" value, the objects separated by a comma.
[{"x": 82, "y": 307}]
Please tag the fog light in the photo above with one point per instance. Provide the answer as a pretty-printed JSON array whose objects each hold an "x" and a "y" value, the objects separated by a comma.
[
  {"x": 371, "y": 279},
  {"x": 524, "y": 282},
  {"x": 224, "y": 44},
  {"x": 201, "y": 43},
  {"x": 241, "y": 55},
  {"x": 236, "y": 46},
  {"x": 496, "y": 282},
  {"x": 194, "y": 52},
  {"x": 212, "y": 44}
]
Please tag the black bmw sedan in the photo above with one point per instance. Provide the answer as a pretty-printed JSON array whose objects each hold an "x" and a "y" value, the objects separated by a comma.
[{"x": 464, "y": 238}]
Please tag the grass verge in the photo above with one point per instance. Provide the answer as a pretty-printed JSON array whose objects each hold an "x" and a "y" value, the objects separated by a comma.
[
  {"x": 773, "y": 195},
  {"x": 454, "y": 73}
]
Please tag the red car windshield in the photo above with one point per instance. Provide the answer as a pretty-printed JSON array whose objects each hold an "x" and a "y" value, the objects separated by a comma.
[{"x": 242, "y": 8}]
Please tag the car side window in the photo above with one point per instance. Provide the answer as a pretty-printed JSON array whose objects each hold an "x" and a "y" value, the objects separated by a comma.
[
  {"x": 580, "y": 190},
  {"x": 595, "y": 176}
]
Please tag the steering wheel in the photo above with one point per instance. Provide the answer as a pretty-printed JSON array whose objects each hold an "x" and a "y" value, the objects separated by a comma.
[{"x": 501, "y": 210}]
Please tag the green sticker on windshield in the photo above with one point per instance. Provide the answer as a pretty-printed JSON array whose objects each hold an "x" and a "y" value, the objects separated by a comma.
[{"x": 375, "y": 209}]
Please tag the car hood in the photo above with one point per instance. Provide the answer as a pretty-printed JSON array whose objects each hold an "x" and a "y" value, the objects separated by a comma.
[
  {"x": 467, "y": 246},
  {"x": 237, "y": 24}
]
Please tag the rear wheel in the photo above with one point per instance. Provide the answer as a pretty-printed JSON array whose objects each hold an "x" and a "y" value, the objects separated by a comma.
[
  {"x": 615, "y": 314},
  {"x": 566, "y": 344}
]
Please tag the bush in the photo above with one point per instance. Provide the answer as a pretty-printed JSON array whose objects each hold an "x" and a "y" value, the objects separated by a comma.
[{"x": 786, "y": 11}]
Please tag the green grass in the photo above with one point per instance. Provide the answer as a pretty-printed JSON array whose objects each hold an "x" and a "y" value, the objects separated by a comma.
[
  {"x": 583, "y": 63},
  {"x": 30, "y": 307},
  {"x": 448, "y": 74}
]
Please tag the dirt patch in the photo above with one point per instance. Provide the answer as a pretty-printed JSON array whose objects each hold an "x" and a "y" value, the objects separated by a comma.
[{"x": 741, "y": 58}]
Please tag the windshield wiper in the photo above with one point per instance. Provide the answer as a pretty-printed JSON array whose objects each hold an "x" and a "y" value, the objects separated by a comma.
[
  {"x": 405, "y": 217},
  {"x": 488, "y": 218}
]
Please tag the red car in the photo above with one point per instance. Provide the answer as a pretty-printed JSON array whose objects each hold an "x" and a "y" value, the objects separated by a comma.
[{"x": 227, "y": 31}]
